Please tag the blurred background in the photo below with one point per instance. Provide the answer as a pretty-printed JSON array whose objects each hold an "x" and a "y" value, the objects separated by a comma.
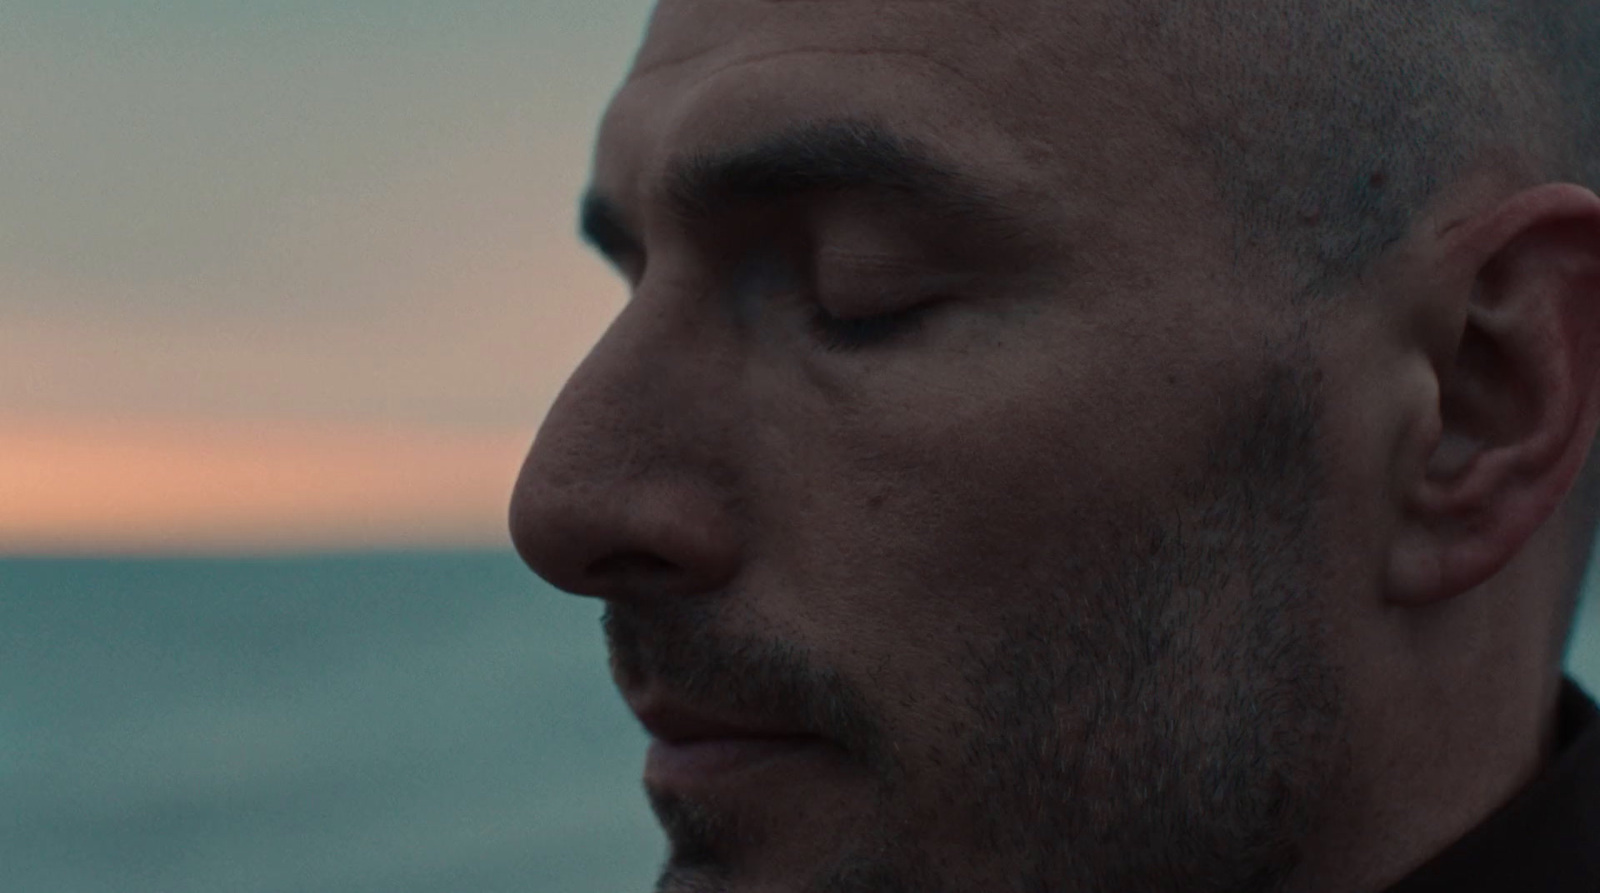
[
  {"x": 286, "y": 289},
  {"x": 297, "y": 280}
]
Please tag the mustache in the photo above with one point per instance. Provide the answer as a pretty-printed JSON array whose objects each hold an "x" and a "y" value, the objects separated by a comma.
[{"x": 683, "y": 650}]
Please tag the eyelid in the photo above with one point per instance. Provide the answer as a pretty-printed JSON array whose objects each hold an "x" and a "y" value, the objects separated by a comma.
[
  {"x": 871, "y": 276},
  {"x": 841, "y": 270},
  {"x": 870, "y": 262}
]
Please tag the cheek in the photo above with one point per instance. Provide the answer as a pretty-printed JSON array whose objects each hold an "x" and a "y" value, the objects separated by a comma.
[
  {"x": 908, "y": 556},
  {"x": 937, "y": 494},
  {"x": 903, "y": 518}
]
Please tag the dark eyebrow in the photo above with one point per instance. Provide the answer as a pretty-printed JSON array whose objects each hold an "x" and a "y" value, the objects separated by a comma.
[
  {"x": 602, "y": 225},
  {"x": 846, "y": 155}
]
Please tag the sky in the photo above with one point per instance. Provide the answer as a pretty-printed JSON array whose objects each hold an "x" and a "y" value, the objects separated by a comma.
[{"x": 290, "y": 275}]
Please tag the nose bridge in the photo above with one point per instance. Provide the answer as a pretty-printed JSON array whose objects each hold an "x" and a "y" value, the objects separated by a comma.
[{"x": 630, "y": 486}]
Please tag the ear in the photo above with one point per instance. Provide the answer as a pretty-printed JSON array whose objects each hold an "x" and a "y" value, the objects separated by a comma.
[{"x": 1518, "y": 391}]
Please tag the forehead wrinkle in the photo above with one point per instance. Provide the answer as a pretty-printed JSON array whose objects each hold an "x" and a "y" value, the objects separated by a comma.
[
  {"x": 1024, "y": 66},
  {"x": 625, "y": 108},
  {"x": 859, "y": 52},
  {"x": 997, "y": 55},
  {"x": 681, "y": 31},
  {"x": 981, "y": 101}
]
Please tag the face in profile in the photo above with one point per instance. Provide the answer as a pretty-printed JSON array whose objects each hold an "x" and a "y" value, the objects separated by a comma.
[{"x": 958, "y": 508}]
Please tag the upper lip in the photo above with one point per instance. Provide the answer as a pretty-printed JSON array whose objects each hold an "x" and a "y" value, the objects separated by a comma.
[{"x": 676, "y": 722}]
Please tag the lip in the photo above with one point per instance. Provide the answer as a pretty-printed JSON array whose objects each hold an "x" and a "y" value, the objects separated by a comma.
[
  {"x": 705, "y": 762},
  {"x": 670, "y": 720},
  {"x": 693, "y": 748}
]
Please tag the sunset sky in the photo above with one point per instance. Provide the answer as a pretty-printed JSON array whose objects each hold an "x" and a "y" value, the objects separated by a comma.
[{"x": 289, "y": 275}]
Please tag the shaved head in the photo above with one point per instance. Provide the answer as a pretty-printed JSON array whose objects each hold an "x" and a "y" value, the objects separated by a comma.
[
  {"x": 1329, "y": 124},
  {"x": 1086, "y": 446}
]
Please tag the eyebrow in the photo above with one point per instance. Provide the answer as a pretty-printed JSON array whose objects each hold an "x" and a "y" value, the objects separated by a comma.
[{"x": 835, "y": 156}]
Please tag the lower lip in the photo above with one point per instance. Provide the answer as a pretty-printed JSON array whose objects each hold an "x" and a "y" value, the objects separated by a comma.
[{"x": 695, "y": 763}]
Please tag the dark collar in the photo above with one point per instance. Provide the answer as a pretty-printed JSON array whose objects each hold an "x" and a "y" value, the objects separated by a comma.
[{"x": 1547, "y": 838}]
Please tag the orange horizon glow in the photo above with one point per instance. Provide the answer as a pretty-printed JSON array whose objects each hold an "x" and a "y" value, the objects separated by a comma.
[
  {"x": 78, "y": 486},
  {"x": 227, "y": 223}
]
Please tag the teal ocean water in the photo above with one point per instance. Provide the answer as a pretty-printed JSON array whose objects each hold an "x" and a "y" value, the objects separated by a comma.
[
  {"x": 354, "y": 724},
  {"x": 424, "y": 723}
]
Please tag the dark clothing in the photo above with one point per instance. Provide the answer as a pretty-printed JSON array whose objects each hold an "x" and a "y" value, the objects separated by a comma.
[{"x": 1547, "y": 839}]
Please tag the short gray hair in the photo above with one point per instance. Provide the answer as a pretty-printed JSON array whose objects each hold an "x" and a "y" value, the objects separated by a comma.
[{"x": 1329, "y": 124}]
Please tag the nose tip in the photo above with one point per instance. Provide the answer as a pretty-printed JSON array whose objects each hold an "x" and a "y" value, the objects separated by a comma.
[
  {"x": 622, "y": 543},
  {"x": 630, "y": 489}
]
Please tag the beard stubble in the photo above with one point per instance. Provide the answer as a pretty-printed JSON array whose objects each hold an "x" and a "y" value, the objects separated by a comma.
[{"x": 1166, "y": 720}]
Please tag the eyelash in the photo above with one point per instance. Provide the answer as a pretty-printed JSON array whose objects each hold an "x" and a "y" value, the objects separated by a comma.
[{"x": 848, "y": 335}]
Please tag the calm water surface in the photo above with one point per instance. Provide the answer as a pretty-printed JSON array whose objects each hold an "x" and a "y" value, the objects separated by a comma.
[{"x": 426, "y": 723}]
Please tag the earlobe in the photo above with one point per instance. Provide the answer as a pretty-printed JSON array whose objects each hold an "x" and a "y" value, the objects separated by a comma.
[{"x": 1517, "y": 400}]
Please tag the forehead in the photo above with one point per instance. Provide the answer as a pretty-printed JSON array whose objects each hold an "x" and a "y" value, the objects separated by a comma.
[{"x": 1034, "y": 94}]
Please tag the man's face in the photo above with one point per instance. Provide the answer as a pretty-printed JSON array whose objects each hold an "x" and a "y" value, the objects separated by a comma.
[{"x": 1038, "y": 563}]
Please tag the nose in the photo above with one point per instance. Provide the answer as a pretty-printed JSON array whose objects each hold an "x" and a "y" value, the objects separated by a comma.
[{"x": 625, "y": 494}]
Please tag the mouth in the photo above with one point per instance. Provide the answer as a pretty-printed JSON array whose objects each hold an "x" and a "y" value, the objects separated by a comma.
[
  {"x": 686, "y": 766},
  {"x": 692, "y": 750}
]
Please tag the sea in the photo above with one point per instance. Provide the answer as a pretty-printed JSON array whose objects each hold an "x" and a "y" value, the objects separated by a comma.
[{"x": 367, "y": 723}]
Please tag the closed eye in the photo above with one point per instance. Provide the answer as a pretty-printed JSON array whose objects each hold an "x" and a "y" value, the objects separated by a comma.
[{"x": 858, "y": 333}]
